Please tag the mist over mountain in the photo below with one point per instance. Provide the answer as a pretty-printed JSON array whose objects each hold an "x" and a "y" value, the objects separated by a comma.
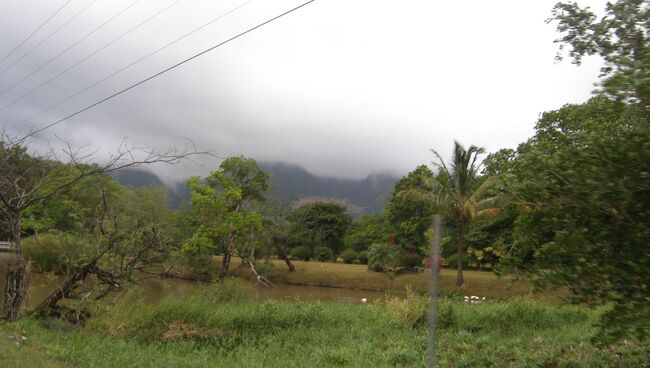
[
  {"x": 137, "y": 178},
  {"x": 178, "y": 193},
  {"x": 290, "y": 182}
]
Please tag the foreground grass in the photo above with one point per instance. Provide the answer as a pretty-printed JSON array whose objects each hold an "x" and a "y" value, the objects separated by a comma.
[
  {"x": 222, "y": 329},
  {"x": 356, "y": 276}
]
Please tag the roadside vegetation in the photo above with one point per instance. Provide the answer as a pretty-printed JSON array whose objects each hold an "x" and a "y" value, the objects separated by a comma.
[
  {"x": 564, "y": 217},
  {"x": 219, "y": 327}
]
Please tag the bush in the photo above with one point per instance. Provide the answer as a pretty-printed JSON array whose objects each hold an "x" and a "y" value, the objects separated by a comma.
[
  {"x": 411, "y": 261},
  {"x": 200, "y": 266},
  {"x": 323, "y": 254},
  {"x": 363, "y": 257},
  {"x": 452, "y": 260},
  {"x": 411, "y": 310},
  {"x": 349, "y": 256},
  {"x": 383, "y": 256},
  {"x": 54, "y": 253},
  {"x": 301, "y": 253}
]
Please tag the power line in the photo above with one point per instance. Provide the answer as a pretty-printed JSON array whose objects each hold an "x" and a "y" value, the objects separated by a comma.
[
  {"x": 90, "y": 55},
  {"x": 36, "y": 30},
  {"x": 48, "y": 37},
  {"x": 135, "y": 62},
  {"x": 70, "y": 47},
  {"x": 174, "y": 66}
]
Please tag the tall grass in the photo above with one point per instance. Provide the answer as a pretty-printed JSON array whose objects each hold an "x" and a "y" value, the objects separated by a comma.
[
  {"x": 218, "y": 327},
  {"x": 56, "y": 253}
]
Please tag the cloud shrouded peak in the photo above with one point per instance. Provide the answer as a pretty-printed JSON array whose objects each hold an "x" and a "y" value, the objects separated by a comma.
[{"x": 341, "y": 88}]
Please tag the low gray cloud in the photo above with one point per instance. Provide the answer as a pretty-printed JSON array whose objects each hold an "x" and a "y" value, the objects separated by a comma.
[{"x": 342, "y": 88}]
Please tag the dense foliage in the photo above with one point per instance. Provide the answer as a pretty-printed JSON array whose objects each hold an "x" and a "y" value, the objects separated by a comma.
[
  {"x": 321, "y": 225},
  {"x": 583, "y": 186}
]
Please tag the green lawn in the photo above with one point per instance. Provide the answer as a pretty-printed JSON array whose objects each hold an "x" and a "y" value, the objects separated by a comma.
[{"x": 356, "y": 276}]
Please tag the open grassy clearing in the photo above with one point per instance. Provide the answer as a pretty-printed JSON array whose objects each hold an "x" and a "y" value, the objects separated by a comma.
[{"x": 357, "y": 276}]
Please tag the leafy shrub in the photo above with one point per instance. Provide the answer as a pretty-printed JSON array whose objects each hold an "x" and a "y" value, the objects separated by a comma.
[
  {"x": 54, "y": 253},
  {"x": 412, "y": 260},
  {"x": 323, "y": 254},
  {"x": 411, "y": 310},
  {"x": 301, "y": 253},
  {"x": 383, "y": 256},
  {"x": 452, "y": 260},
  {"x": 349, "y": 256},
  {"x": 363, "y": 257},
  {"x": 200, "y": 266}
]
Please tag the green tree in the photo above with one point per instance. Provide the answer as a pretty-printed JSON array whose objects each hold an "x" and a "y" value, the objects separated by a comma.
[
  {"x": 583, "y": 187},
  {"x": 321, "y": 224},
  {"x": 460, "y": 194},
  {"x": 490, "y": 234},
  {"x": 411, "y": 207},
  {"x": 621, "y": 38},
  {"x": 365, "y": 231},
  {"x": 123, "y": 230},
  {"x": 28, "y": 179},
  {"x": 220, "y": 205},
  {"x": 277, "y": 228}
]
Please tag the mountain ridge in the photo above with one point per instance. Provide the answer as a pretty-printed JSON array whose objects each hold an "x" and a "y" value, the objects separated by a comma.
[{"x": 290, "y": 182}]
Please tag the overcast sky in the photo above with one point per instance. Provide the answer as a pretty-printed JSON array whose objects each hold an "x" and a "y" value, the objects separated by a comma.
[{"x": 341, "y": 87}]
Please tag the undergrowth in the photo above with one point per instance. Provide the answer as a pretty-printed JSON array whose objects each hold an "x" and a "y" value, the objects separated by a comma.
[{"x": 220, "y": 327}]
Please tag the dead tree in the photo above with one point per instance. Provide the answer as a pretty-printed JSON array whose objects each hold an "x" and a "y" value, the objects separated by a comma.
[{"x": 26, "y": 179}]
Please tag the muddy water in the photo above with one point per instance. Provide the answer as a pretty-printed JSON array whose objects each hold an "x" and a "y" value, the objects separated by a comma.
[{"x": 42, "y": 285}]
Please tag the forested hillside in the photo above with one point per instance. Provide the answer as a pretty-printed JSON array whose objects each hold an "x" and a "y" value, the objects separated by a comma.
[{"x": 290, "y": 182}]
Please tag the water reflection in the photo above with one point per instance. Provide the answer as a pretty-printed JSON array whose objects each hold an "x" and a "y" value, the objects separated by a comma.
[{"x": 155, "y": 289}]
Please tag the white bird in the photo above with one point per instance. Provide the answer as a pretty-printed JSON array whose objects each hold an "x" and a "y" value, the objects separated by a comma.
[{"x": 363, "y": 300}]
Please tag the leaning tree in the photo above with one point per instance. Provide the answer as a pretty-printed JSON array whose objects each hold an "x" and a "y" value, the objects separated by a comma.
[{"x": 29, "y": 177}]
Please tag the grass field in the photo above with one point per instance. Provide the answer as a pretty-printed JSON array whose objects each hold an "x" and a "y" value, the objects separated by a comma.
[
  {"x": 221, "y": 329},
  {"x": 356, "y": 276}
]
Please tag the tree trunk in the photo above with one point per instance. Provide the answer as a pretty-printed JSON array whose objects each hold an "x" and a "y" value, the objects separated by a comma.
[
  {"x": 459, "y": 243},
  {"x": 18, "y": 278},
  {"x": 15, "y": 291},
  {"x": 225, "y": 264},
  {"x": 282, "y": 254},
  {"x": 48, "y": 306}
]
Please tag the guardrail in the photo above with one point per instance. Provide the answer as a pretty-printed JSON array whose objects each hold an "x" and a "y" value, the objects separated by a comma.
[{"x": 6, "y": 246}]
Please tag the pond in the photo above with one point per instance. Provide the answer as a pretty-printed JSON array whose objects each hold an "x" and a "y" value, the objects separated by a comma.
[{"x": 42, "y": 285}]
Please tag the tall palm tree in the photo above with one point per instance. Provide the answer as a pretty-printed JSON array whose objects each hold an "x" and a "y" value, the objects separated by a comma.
[{"x": 457, "y": 191}]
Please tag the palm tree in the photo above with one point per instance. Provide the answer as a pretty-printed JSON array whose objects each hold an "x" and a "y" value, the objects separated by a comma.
[
  {"x": 383, "y": 256},
  {"x": 457, "y": 191}
]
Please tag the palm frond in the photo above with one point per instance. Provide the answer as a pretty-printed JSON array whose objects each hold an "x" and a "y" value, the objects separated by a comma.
[{"x": 441, "y": 164}]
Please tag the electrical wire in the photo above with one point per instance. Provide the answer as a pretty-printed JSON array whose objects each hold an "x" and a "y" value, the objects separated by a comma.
[
  {"x": 36, "y": 30},
  {"x": 213, "y": 20},
  {"x": 90, "y": 55},
  {"x": 48, "y": 37},
  {"x": 70, "y": 47},
  {"x": 249, "y": 30}
]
